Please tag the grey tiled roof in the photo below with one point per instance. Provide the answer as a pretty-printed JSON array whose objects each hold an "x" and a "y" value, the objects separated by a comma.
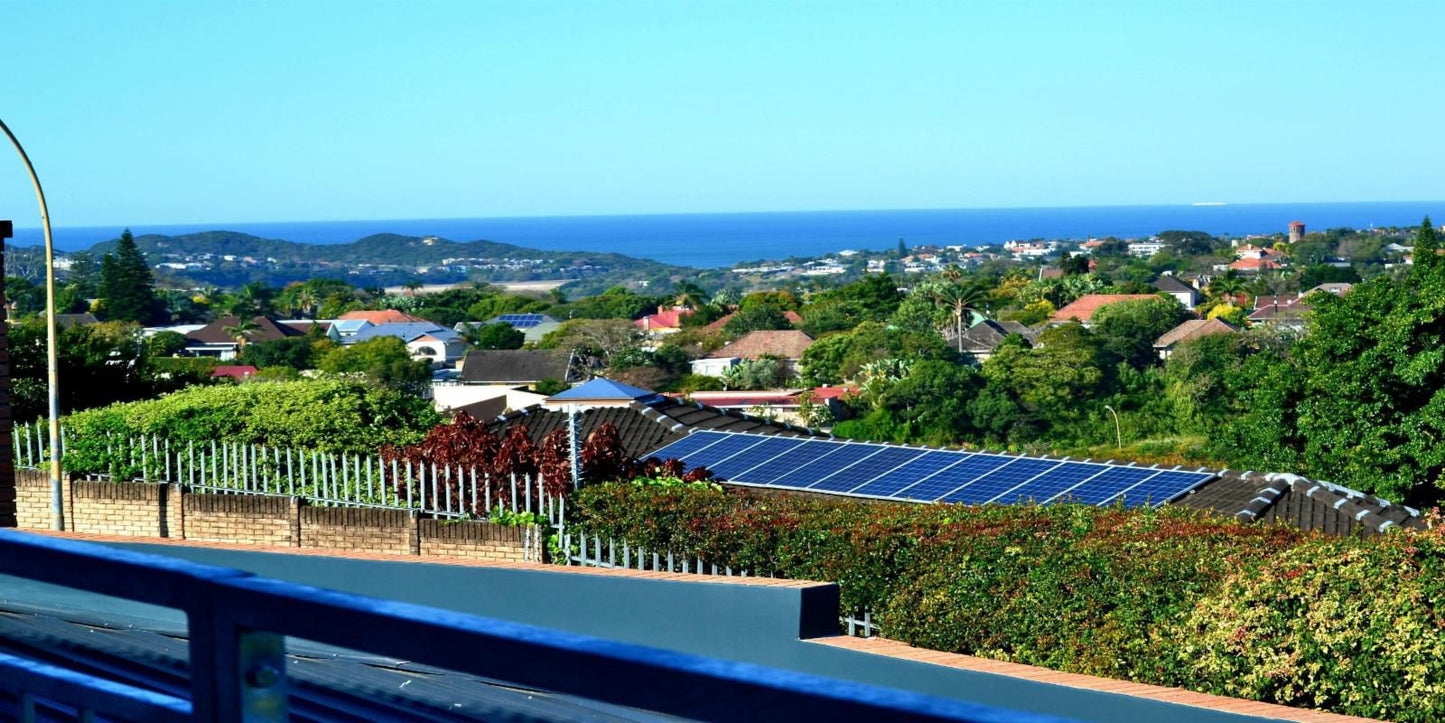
[{"x": 1307, "y": 504}]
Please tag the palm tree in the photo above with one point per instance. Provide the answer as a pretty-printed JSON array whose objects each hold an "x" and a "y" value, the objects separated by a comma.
[
  {"x": 1227, "y": 286},
  {"x": 691, "y": 295},
  {"x": 958, "y": 297},
  {"x": 242, "y": 330}
]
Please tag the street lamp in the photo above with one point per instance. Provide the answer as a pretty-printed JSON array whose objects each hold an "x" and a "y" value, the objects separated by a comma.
[
  {"x": 52, "y": 362},
  {"x": 1118, "y": 431}
]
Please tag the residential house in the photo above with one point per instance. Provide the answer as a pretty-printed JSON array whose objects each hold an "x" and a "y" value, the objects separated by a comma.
[
  {"x": 792, "y": 316},
  {"x": 1191, "y": 329},
  {"x": 217, "y": 340},
  {"x": 1083, "y": 308},
  {"x": 1145, "y": 249},
  {"x": 424, "y": 340},
  {"x": 1283, "y": 311},
  {"x": 783, "y": 405},
  {"x": 787, "y": 345},
  {"x": 237, "y": 372},
  {"x": 981, "y": 339},
  {"x": 532, "y": 326},
  {"x": 341, "y": 330},
  {"x": 65, "y": 321},
  {"x": 1254, "y": 265},
  {"x": 381, "y": 316},
  {"x": 665, "y": 321},
  {"x": 1185, "y": 293}
]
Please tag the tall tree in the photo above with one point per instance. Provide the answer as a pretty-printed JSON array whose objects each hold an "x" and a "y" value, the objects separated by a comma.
[
  {"x": 1427, "y": 243},
  {"x": 126, "y": 283}
]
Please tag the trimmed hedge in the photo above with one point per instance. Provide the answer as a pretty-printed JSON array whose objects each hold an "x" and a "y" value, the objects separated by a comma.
[
  {"x": 1169, "y": 596},
  {"x": 329, "y": 414}
]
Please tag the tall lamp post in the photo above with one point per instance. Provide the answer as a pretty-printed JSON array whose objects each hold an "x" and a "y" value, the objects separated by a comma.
[{"x": 52, "y": 361}]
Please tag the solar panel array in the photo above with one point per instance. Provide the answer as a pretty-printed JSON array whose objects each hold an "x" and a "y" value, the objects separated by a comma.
[
  {"x": 521, "y": 321},
  {"x": 925, "y": 475}
]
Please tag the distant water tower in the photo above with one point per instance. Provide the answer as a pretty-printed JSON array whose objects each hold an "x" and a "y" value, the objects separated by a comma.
[{"x": 1296, "y": 231}]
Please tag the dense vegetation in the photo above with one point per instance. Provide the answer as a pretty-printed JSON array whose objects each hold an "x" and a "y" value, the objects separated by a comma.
[
  {"x": 1161, "y": 596},
  {"x": 330, "y": 415}
]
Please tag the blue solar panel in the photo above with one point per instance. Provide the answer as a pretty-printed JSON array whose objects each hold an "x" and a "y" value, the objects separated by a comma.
[
  {"x": 855, "y": 475},
  {"x": 950, "y": 479},
  {"x": 889, "y": 483},
  {"x": 521, "y": 321},
  {"x": 1106, "y": 486},
  {"x": 813, "y": 472},
  {"x": 1000, "y": 481},
  {"x": 770, "y": 470},
  {"x": 1065, "y": 477},
  {"x": 727, "y": 447},
  {"x": 903, "y": 473},
  {"x": 1163, "y": 487},
  {"x": 735, "y": 467},
  {"x": 686, "y": 447}
]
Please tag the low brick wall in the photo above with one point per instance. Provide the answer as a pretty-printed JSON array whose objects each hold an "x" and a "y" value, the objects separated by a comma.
[
  {"x": 389, "y": 532},
  {"x": 108, "y": 508},
  {"x": 32, "y": 499},
  {"x": 471, "y": 539},
  {"x": 136, "y": 509},
  {"x": 242, "y": 519}
]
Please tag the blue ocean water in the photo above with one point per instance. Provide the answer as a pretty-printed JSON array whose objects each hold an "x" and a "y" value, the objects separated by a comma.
[{"x": 723, "y": 239}]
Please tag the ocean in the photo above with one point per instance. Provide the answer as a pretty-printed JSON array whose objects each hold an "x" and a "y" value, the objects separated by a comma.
[{"x": 724, "y": 239}]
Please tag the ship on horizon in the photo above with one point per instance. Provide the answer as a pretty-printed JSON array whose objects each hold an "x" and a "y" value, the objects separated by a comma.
[{"x": 1209, "y": 203}]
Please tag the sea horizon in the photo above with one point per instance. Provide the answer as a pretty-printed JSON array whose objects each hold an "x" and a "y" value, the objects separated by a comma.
[{"x": 712, "y": 240}]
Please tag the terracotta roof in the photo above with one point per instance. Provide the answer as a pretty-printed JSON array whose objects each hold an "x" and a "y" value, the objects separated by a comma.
[
  {"x": 645, "y": 427},
  {"x": 784, "y": 344},
  {"x": 383, "y": 316},
  {"x": 1087, "y": 305},
  {"x": 1253, "y": 265},
  {"x": 792, "y": 316},
  {"x": 1193, "y": 329},
  {"x": 667, "y": 319},
  {"x": 266, "y": 330},
  {"x": 240, "y": 371},
  {"x": 821, "y": 393}
]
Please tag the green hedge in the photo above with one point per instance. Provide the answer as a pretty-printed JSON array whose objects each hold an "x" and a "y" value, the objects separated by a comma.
[
  {"x": 331, "y": 415},
  {"x": 1167, "y": 596}
]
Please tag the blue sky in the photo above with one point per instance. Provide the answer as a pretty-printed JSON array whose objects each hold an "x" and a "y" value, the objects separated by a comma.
[{"x": 230, "y": 112}]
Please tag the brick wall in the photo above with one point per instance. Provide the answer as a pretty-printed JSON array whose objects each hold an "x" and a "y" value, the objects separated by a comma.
[
  {"x": 108, "y": 508},
  {"x": 242, "y": 519},
  {"x": 136, "y": 509},
  {"x": 32, "y": 499},
  {"x": 391, "y": 532},
  {"x": 471, "y": 539}
]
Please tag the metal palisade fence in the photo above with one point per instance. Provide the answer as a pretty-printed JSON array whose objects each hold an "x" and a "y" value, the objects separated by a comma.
[{"x": 330, "y": 479}]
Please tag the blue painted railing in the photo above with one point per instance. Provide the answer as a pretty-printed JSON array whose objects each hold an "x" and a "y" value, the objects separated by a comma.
[{"x": 238, "y": 622}]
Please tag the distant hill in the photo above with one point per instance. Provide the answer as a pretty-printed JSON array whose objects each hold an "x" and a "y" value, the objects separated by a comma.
[{"x": 229, "y": 259}]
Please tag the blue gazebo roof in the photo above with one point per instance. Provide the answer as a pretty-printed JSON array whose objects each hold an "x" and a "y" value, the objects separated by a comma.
[{"x": 600, "y": 389}]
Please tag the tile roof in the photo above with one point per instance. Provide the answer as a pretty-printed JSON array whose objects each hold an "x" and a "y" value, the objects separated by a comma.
[
  {"x": 240, "y": 371},
  {"x": 1307, "y": 504},
  {"x": 382, "y": 316},
  {"x": 792, "y": 316},
  {"x": 665, "y": 319},
  {"x": 266, "y": 330},
  {"x": 784, "y": 344},
  {"x": 986, "y": 335},
  {"x": 514, "y": 366},
  {"x": 1087, "y": 305},
  {"x": 1172, "y": 285},
  {"x": 646, "y": 427},
  {"x": 1193, "y": 329},
  {"x": 1254, "y": 265},
  {"x": 407, "y": 332}
]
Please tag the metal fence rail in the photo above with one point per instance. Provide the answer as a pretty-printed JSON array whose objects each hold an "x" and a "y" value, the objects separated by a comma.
[{"x": 237, "y": 623}]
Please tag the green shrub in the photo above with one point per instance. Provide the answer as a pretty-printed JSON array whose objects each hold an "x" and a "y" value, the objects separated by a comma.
[
  {"x": 331, "y": 415},
  {"x": 1346, "y": 624},
  {"x": 1169, "y": 596}
]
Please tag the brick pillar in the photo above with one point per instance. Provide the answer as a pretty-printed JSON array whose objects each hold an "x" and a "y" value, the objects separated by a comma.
[
  {"x": 7, "y": 449},
  {"x": 294, "y": 513}
]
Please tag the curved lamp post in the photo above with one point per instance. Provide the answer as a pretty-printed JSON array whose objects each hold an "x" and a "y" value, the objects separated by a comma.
[
  {"x": 1118, "y": 431},
  {"x": 57, "y": 511}
]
